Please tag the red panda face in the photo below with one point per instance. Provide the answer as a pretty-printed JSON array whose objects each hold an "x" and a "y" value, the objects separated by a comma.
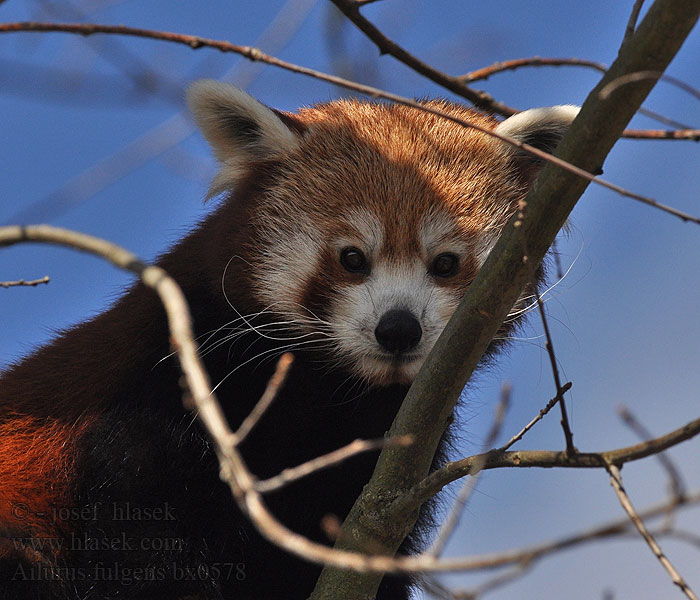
[{"x": 373, "y": 220}]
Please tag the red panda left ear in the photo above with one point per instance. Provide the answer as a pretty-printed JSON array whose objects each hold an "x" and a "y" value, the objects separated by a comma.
[
  {"x": 239, "y": 129},
  {"x": 542, "y": 128}
]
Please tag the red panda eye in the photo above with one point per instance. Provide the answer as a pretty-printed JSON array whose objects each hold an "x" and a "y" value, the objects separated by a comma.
[
  {"x": 353, "y": 260},
  {"x": 445, "y": 265}
]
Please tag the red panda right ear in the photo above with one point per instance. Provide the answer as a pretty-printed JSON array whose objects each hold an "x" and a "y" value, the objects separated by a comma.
[
  {"x": 541, "y": 128},
  {"x": 239, "y": 129}
]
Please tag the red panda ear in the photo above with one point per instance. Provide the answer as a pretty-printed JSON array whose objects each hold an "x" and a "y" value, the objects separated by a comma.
[
  {"x": 541, "y": 128},
  {"x": 239, "y": 129}
]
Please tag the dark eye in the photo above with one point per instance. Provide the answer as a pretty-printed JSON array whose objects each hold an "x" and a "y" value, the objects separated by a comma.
[
  {"x": 445, "y": 265},
  {"x": 354, "y": 260}
]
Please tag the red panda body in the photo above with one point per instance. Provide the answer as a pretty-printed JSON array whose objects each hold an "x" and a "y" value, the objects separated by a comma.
[{"x": 349, "y": 233}]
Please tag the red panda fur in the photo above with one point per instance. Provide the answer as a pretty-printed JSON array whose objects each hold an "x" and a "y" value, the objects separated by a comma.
[{"x": 348, "y": 234}]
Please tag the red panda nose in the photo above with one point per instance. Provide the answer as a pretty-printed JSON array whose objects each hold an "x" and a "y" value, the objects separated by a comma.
[{"x": 398, "y": 331}]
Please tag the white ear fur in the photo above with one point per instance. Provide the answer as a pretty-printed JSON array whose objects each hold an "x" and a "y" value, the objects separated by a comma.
[
  {"x": 239, "y": 129},
  {"x": 542, "y": 128}
]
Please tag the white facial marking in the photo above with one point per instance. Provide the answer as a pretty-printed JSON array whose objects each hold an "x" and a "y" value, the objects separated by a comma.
[
  {"x": 365, "y": 232},
  {"x": 438, "y": 234},
  {"x": 390, "y": 286},
  {"x": 288, "y": 263}
]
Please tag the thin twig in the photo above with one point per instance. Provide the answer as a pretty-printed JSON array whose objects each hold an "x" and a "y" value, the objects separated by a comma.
[
  {"x": 494, "y": 583},
  {"x": 32, "y": 283},
  {"x": 682, "y": 85},
  {"x": 448, "y": 526},
  {"x": 660, "y": 134},
  {"x": 327, "y": 460},
  {"x": 480, "y": 99},
  {"x": 549, "y": 344},
  {"x": 270, "y": 393},
  {"x": 616, "y": 482},
  {"x": 255, "y": 54},
  {"x": 632, "y": 22},
  {"x": 677, "y": 125},
  {"x": 676, "y": 485},
  {"x": 535, "y": 61},
  {"x": 551, "y": 404}
]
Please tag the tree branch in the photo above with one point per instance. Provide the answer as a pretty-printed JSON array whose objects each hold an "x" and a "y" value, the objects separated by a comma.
[
  {"x": 616, "y": 482},
  {"x": 257, "y": 55},
  {"x": 480, "y": 99},
  {"x": 373, "y": 522},
  {"x": 535, "y": 61},
  {"x": 22, "y": 282},
  {"x": 547, "y": 459}
]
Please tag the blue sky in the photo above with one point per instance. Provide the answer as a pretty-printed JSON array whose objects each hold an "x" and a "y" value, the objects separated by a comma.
[{"x": 625, "y": 317}]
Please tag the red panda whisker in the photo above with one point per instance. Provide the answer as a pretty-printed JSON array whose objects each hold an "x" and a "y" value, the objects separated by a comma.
[{"x": 280, "y": 350}]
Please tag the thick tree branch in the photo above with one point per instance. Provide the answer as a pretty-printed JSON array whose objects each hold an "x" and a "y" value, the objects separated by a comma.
[{"x": 427, "y": 409}]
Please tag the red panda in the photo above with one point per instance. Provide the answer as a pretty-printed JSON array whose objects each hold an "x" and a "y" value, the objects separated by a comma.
[{"x": 348, "y": 233}]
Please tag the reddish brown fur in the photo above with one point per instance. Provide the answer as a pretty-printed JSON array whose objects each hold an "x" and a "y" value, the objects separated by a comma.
[{"x": 36, "y": 466}]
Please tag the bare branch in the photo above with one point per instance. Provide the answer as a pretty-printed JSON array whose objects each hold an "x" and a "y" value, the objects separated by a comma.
[
  {"x": 480, "y": 99},
  {"x": 327, "y": 460},
  {"x": 676, "y": 485},
  {"x": 498, "y": 458},
  {"x": 549, "y": 406},
  {"x": 632, "y": 22},
  {"x": 659, "y": 134},
  {"x": 468, "y": 486},
  {"x": 616, "y": 482},
  {"x": 661, "y": 119},
  {"x": 568, "y": 435},
  {"x": 22, "y": 282},
  {"x": 270, "y": 393},
  {"x": 695, "y": 92},
  {"x": 491, "y": 584},
  {"x": 535, "y": 61},
  {"x": 255, "y": 54},
  {"x": 526, "y": 557}
]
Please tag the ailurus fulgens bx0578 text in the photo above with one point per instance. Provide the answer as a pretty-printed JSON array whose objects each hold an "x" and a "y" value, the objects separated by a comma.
[{"x": 348, "y": 234}]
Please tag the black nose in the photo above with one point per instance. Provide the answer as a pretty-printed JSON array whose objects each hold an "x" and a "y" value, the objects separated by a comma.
[{"x": 398, "y": 331}]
